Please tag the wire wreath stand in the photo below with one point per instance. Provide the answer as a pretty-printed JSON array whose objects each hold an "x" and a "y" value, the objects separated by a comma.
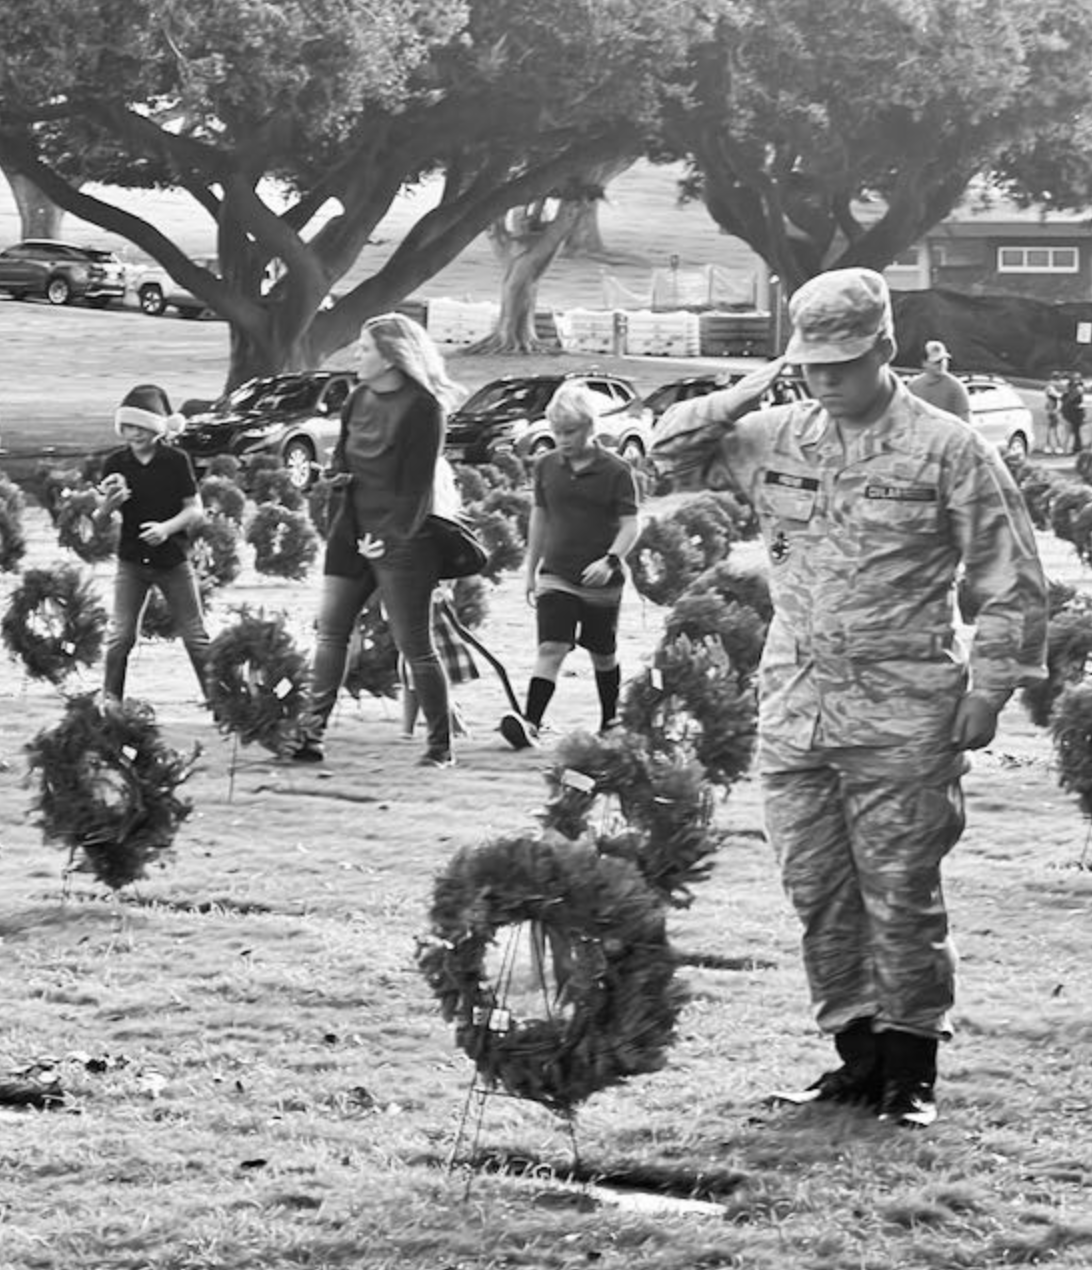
[
  {"x": 594, "y": 933},
  {"x": 497, "y": 1018}
]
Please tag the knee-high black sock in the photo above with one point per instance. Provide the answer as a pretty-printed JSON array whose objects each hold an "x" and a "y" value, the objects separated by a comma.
[
  {"x": 539, "y": 692},
  {"x": 608, "y": 683}
]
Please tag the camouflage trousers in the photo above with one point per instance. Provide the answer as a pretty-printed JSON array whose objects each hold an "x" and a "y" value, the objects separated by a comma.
[{"x": 860, "y": 835}]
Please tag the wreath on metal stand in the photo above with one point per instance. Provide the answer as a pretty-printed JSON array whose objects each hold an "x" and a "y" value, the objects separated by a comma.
[
  {"x": 284, "y": 541},
  {"x": 693, "y": 703},
  {"x": 601, "y": 968},
  {"x": 255, "y": 681},
  {"x": 13, "y": 540},
  {"x": 107, "y": 789},
  {"x": 92, "y": 538},
  {"x": 653, "y": 810},
  {"x": 372, "y": 661},
  {"x": 54, "y": 623}
]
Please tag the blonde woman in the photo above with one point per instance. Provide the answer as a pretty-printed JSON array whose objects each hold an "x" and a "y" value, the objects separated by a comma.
[{"x": 392, "y": 433}]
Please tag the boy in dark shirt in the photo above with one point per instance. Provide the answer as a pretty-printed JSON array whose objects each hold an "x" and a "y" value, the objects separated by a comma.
[
  {"x": 583, "y": 525},
  {"x": 153, "y": 487}
]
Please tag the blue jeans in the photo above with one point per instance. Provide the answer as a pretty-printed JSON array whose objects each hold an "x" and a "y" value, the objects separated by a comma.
[
  {"x": 183, "y": 598},
  {"x": 405, "y": 578}
]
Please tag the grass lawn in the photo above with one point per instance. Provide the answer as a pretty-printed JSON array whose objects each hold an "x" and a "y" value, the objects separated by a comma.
[{"x": 258, "y": 1078}]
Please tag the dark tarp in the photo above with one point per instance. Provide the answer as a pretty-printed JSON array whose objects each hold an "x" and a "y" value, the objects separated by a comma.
[{"x": 1001, "y": 334}]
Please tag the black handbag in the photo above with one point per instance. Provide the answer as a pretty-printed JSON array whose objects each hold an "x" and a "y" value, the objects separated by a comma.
[{"x": 460, "y": 552}]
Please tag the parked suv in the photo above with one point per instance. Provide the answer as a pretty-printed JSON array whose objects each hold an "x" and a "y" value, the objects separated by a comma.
[
  {"x": 296, "y": 416},
  {"x": 156, "y": 290},
  {"x": 508, "y": 415},
  {"x": 61, "y": 272}
]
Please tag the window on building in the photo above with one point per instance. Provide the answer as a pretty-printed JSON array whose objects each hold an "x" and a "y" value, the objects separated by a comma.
[{"x": 1037, "y": 260}]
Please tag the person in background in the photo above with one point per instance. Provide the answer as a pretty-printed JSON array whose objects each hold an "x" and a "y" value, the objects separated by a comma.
[
  {"x": 872, "y": 503},
  {"x": 1053, "y": 442},
  {"x": 153, "y": 487},
  {"x": 938, "y": 386},
  {"x": 392, "y": 431},
  {"x": 1072, "y": 409},
  {"x": 457, "y": 659},
  {"x": 583, "y": 524}
]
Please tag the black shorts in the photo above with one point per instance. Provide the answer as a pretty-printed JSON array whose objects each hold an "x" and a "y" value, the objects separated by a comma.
[{"x": 567, "y": 619}]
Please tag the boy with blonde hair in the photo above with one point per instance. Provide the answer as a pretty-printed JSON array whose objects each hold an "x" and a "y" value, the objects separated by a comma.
[{"x": 583, "y": 525}]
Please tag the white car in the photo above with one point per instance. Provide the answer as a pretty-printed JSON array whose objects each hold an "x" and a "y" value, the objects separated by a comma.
[{"x": 999, "y": 413}]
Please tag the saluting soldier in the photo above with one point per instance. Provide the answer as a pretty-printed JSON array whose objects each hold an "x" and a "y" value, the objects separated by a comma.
[{"x": 871, "y": 501}]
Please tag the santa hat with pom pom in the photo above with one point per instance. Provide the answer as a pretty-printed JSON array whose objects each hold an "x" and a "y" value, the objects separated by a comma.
[{"x": 148, "y": 406}]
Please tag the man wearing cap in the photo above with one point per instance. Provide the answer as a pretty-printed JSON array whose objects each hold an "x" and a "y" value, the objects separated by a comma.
[
  {"x": 939, "y": 388},
  {"x": 152, "y": 485},
  {"x": 871, "y": 501}
]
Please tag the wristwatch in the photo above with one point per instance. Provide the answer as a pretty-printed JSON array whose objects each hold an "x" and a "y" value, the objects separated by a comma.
[{"x": 613, "y": 559}]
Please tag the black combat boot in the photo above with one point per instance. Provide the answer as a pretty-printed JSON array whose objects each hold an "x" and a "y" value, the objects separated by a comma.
[
  {"x": 910, "y": 1074},
  {"x": 858, "y": 1080}
]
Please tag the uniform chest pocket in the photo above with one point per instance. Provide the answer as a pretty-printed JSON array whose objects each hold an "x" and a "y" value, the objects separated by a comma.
[
  {"x": 786, "y": 496},
  {"x": 906, "y": 508}
]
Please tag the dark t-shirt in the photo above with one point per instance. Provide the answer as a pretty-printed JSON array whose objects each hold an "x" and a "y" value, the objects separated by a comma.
[
  {"x": 157, "y": 492},
  {"x": 583, "y": 509},
  {"x": 389, "y": 443}
]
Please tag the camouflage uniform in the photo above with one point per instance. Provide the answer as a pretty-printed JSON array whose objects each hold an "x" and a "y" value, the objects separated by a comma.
[{"x": 861, "y": 674}]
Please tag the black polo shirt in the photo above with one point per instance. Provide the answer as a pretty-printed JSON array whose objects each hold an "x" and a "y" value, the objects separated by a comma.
[
  {"x": 583, "y": 509},
  {"x": 158, "y": 489}
]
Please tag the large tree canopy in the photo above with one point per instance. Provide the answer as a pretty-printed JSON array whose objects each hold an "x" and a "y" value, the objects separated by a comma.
[
  {"x": 795, "y": 113},
  {"x": 337, "y": 104}
]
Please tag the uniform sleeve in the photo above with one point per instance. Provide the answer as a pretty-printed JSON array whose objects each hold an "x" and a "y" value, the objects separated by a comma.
[{"x": 1003, "y": 575}]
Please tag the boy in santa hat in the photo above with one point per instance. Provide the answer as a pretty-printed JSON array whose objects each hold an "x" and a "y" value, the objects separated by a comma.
[{"x": 152, "y": 485}]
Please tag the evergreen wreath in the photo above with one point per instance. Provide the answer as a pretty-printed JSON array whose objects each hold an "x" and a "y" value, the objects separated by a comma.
[
  {"x": 500, "y": 538},
  {"x": 107, "y": 788},
  {"x": 268, "y": 482},
  {"x": 13, "y": 541},
  {"x": 323, "y": 502},
  {"x": 664, "y": 561},
  {"x": 225, "y": 465},
  {"x": 221, "y": 496},
  {"x": 507, "y": 469},
  {"x": 691, "y": 703},
  {"x": 11, "y": 495},
  {"x": 54, "y": 623},
  {"x": 470, "y": 483},
  {"x": 255, "y": 680},
  {"x": 78, "y": 528},
  {"x": 1039, "y": 487},
  {"x": 1066, "y": 505},
  {"x": 743, "y": 586},
  {"x": 1069, "y": 647},
  {"x": 616, "y": 1004},
  {"x": 284, "y": 541},
  {"x": 513, "y": 504},
  {"x": 156, "y": 619},
  {"x": 372, "y": 664},
  {"x": 470, "y": 600},
  {"x": 214, "y": 551},
  {"x": 1071, "y": 730},
  {"x": 705, "y": 615},
  {"x": 51, "y": 484},
  {"x": 664, "y": 808}
]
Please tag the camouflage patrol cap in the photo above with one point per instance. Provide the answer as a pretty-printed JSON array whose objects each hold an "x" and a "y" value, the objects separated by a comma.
[{"x": 838, "y": 315}]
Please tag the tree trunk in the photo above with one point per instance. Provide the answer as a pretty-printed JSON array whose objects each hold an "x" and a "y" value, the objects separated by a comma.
[
  {"x": 585, "y": 239},
  {"x": 39, "y": 216},
  {"x": 528, "y": 248}
]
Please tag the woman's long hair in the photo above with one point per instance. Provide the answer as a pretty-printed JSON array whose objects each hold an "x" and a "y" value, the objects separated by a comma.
[{"x": 409, "y": 347}]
